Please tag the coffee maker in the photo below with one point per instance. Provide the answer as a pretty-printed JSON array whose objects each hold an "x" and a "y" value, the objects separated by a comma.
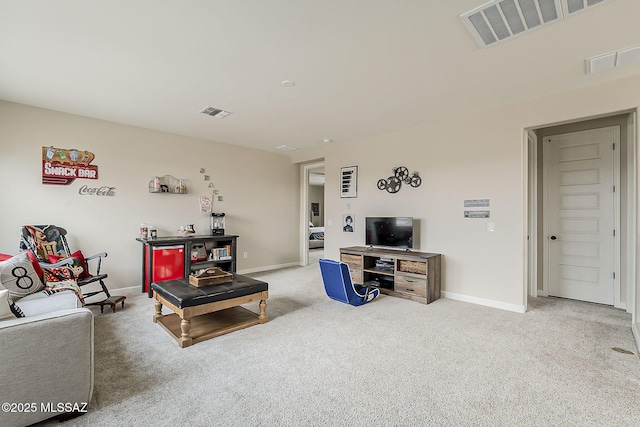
[{"x": 217, "y": 224}]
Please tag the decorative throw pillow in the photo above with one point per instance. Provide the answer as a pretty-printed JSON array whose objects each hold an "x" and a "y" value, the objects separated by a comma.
[
  {"x": 35, "y": 263},
  {"x": 32, "y": 257},
  {"x": 19, "y": 277},
  {"x": 78, "y": 261},
  {"x": 7, "y": 308}
]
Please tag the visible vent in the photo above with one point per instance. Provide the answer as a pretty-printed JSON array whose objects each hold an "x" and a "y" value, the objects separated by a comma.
[
  {"x": 607, "y": 61},
  {"x": 215, "y": 112},
  {"x": 500, "y": 20},
  {"x": 286, "y": 147}
]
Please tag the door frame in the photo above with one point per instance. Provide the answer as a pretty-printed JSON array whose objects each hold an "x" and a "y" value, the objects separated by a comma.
[
  {"x": 304, "y": 209},
  {"x": 616, "y": 214},
  {"x": 532, "y": 217}
]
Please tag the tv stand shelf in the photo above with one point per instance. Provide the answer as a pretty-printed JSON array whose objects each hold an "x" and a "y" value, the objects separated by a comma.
[{"x": 405, "y": 274}]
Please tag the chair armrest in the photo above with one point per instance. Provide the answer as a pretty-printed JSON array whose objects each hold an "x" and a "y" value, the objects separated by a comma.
[
  {"x": 60, "y": 263},
  {"x": 97, "y": 256},
  {"x": 46, "y": 358}
]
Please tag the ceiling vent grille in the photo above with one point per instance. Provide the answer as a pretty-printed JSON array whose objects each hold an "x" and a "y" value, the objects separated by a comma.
[
  {"x": 215, "y": 112},
  {"x": 500, "y": 20},
  {"x": 287, "y": 147}
]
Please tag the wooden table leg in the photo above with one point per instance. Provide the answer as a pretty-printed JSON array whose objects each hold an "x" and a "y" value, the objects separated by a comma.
[
  {"x": 185, "y": 340},
  {"x": 263, "y": 311},
  {"x": 158, "y": 306}
]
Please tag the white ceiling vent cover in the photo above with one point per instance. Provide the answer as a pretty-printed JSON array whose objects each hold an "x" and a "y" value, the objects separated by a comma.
[
  {"x": 287, "y": 147},
  {"x": 215, "y": 112},
  {"x": 500, "y": 20}
]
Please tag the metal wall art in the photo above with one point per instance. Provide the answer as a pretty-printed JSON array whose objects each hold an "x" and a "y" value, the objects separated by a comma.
[{"x": 400, "y": 175}]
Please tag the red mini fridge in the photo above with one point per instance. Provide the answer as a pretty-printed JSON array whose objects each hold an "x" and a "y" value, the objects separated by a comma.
[{"x": 167, "y": 263}]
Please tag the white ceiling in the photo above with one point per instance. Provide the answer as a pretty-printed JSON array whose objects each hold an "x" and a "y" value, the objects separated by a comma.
[{"x": 360, "y": 67}]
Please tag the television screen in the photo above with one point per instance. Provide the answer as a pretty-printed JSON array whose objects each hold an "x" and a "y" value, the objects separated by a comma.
[{"x": 395, "y": 232}]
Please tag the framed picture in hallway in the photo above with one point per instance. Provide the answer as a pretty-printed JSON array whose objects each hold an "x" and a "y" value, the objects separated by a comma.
[{"x": 349, "y": 181}]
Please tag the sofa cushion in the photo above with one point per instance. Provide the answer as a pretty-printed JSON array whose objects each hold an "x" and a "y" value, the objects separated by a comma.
[
  {"x": 19, "y": 277},
  {"x": 43, "y": 302}
]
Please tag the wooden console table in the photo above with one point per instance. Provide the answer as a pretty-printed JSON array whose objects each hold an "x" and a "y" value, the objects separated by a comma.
[{"x": 412, "y": 275}]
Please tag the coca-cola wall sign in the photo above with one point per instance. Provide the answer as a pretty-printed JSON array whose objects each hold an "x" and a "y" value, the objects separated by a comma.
[
  {"x": 97, "y": 191},
  {"x": 62, "y": 166}
]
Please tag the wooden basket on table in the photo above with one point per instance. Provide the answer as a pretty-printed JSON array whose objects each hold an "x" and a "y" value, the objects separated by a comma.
[{"x": 210, "y": 276}]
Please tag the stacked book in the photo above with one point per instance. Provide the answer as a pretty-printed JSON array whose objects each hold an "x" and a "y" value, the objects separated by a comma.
[{"x": 222, "y": 253}]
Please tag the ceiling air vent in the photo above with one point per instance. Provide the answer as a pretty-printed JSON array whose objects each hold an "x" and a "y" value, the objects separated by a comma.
[
  {"x": 286, "y": 147},
  {"x": 500, "y": 20},
  {"x": 215, "y": 112}
]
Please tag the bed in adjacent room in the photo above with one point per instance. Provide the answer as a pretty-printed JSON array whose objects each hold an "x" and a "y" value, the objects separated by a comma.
[{"x": 316, "y": 236}]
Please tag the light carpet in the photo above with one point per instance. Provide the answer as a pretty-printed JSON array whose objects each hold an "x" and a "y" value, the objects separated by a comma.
[{"x": 392, "y": 362}]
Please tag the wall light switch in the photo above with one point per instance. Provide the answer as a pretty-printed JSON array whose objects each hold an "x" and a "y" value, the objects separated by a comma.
[
  {"x": 491, "y": 226},
  {"x": 329, "y": 223}
]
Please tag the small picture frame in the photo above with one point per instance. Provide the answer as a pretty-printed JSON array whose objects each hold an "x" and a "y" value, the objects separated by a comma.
[
  {"x": 349, "y": 181},
  {"x": 348, "y": 223}
]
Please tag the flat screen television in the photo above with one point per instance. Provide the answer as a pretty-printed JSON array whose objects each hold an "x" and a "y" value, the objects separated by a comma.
[{"x": 392, "y": 232}]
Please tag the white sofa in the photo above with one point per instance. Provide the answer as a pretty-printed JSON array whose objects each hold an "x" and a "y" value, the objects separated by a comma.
[{"x": 46, "y": 358}]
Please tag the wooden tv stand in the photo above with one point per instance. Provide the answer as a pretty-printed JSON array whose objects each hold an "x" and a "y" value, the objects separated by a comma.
[{"x": 412, "y": 275}]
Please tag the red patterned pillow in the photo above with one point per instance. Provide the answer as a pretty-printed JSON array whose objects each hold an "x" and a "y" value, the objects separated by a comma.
[{"x": 78, "y": 261}]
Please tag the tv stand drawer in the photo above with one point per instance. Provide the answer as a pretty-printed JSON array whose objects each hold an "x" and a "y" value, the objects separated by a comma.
[{"x": 410, "y": 285}]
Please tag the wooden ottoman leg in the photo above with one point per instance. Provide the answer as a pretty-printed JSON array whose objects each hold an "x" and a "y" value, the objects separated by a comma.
[
  {"x": 263, "y": 311},
  {"x": 185, "y": 340},
  {"x": 158, "y": 306}
]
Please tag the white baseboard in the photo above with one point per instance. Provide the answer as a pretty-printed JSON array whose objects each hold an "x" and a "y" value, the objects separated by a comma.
[
  {"x": 635, "y": 327},
  {"x": 485, "y": 302},
  {"x": 268, "y": 268},
  {"x": 133, "y": 290}
]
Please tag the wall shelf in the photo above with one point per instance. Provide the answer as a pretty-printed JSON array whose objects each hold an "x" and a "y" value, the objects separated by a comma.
[{"x": 167, "y": 184}]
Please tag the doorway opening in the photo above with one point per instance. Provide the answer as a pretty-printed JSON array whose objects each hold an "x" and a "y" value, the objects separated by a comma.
[
  {"x": 312, "y": 212},
  {"x": 581, "y": 210}
]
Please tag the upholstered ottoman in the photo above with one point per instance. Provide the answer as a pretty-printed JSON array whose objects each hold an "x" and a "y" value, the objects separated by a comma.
[{"x": 202, "y": 313}]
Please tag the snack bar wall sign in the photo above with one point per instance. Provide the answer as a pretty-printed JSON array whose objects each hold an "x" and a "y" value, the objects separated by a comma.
[{"x": 62, "y": 166}]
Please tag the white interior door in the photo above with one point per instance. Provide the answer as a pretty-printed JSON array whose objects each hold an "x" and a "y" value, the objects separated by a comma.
[{"x": 582, "y": 205}]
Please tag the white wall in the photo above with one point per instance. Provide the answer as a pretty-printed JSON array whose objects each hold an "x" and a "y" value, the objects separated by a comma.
[
  {"x": 259, "y": 189},
  {"x": 468, "y": 157}
]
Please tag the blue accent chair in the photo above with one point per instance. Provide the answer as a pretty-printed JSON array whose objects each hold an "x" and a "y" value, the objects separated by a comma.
[{"x": 338, "y": 284}]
